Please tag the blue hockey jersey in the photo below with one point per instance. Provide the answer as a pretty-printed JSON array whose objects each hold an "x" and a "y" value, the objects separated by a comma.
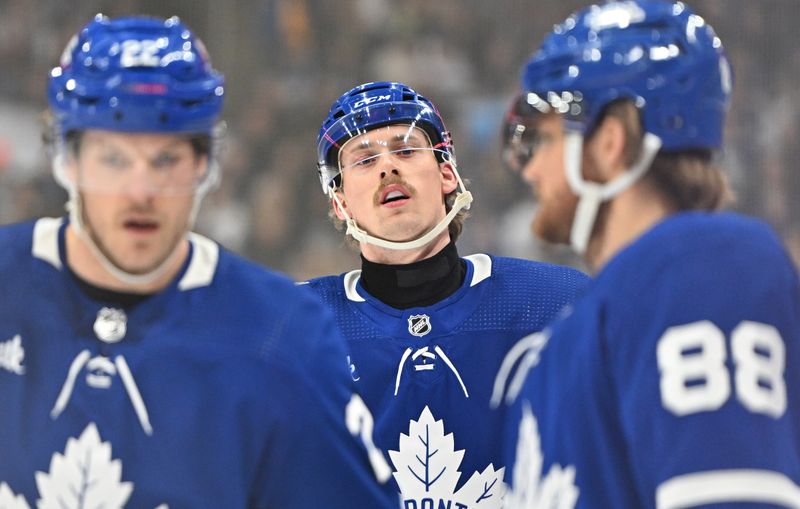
[
  {"x": 674, "y": 383},
  {"x": 226, "y": 389},
  {"x": 426, "y": 373}
]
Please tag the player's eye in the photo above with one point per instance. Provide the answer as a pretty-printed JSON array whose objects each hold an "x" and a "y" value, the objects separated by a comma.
[
  {"x": 114, "y": 160},
  {"x": 406, "y": 152},
  {"x": 362, "y": 161},
  {"x": 366, "y": 161},
  {"x": 165, "y": 161}
]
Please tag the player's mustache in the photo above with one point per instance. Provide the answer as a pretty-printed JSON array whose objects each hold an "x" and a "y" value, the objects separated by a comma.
[
  {"x": 143, "y": 207},
  {"x": 392, "y": 179}
]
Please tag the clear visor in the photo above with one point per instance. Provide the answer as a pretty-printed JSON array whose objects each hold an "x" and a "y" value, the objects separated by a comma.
[
  {"x": 157, "y": 178},
  {"x": 402, "y": 144},
  {"x": 520, "y": 137},
  {"x": 111, "y": 166},
  {"x": 520, "y": 140},
  {"x": 399, "y": 137}
]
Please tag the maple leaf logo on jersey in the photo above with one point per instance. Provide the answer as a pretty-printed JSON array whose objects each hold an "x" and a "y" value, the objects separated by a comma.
[
  {"x": 10, "y": 501},
  {"x": 426, "y": 470},
  {"x": 557, "y": 490},
  {"x": 12, "y": 354},
  {"x": 84, "y": 476}
]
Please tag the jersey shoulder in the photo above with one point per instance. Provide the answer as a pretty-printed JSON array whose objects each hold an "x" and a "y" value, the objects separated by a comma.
[
  {"x": 525, "y": 295},
  {"x": 719, "y": 267},
  {"x": 339, "y": 294},
  {"x": 237, "y": 275},
  {"x": 539, "y": 277},
  {"x": 249, "y": 311},
  {"x": 259, "y": 299},
  {"x": 16, "y": 242},
  {"x": 690, "y": 244},
  {"x": 335, "y": 292},
  {"x": 328, "y": 288}
]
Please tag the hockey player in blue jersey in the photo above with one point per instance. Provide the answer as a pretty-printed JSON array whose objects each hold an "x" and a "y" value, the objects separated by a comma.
[
  {"x": 142, "y": 365},
  {"x": 426, "y": 328},
  {"x": 673, "y": 382}
]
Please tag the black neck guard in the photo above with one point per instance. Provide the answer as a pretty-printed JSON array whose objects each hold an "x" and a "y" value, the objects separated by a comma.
[{"x": 416, "y": 284}]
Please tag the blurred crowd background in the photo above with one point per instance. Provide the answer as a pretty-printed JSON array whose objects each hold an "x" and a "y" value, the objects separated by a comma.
[{"x": 285, "y": 61}]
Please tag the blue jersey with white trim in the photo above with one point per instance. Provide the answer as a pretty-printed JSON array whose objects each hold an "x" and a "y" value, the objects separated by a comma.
[
  {"x": 674, "y": 383},
  {"x": 226, "y": 389},
  {"x": 426, "y": 373}
]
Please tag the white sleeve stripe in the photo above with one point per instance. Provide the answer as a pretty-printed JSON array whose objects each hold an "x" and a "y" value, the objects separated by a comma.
[{"x": 720, "y": 486}]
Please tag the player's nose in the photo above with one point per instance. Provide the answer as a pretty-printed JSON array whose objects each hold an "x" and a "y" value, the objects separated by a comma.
[
  {"x": 393, "y": 171},
  {"x": 140, "y": 185},
  {"x": 530, "y": 172}
]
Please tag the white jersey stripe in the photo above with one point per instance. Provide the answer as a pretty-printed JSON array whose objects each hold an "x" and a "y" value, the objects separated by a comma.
[
  {"x": 482, "y": 267},
  {"x": 350, "y": 282},
  {"x": 719, "y": 486},
  {"x": 203, "y": 266},
  {"x": 45, "y": 240}
]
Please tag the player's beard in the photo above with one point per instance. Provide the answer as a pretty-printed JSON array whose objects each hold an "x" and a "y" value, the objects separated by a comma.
[
  {"x": 106, "y": 252},
  {"x": 556, "y": 211},
  {"x": 554, "y": 215}
]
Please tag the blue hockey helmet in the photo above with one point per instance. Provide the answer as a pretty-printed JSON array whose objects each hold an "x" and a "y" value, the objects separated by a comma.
[
  {"x": 657, "y": 53},
  {"x": 135, "y": 74},
  {"x": 368, "y": 107}
]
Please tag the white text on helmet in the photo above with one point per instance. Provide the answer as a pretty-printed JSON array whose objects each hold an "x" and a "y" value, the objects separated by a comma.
[
  {"x": 615, "y": 15},
  {"x": 140, "y": 53},
  {"x": 370, "y": 100}
]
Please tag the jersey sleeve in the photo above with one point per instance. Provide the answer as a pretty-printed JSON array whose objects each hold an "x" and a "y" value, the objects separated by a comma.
[
  {"x": 313, "y": 459},
  {"x": 706, "y": 356}
]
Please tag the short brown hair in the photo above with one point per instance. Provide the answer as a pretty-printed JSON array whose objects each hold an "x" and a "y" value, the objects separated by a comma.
[{"x": 687, "y": 179}]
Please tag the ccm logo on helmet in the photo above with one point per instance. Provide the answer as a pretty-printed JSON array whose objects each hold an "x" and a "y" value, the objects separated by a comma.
[{"x": 370, "y": 100}]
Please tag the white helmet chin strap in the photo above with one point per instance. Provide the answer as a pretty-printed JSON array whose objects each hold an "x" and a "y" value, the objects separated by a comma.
[
  {"x": 591, "y": 194},
  {"x": 74, "y": 207},
  {"x": 463, "y": 201}
]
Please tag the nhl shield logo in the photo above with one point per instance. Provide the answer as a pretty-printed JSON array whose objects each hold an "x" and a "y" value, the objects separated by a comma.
[
  {"x": 110, "y": 325},
  {"x": 419, "y": 325}
]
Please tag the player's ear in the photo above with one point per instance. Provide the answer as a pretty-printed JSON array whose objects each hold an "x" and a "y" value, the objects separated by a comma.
[
  {"x": 335, "y": 204},
  {"x": 607, "y": 147},
  {"x": 449, "y": 180},
  {"x": 202, "y": 165},
  {"x": 69, "y": 164}
]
